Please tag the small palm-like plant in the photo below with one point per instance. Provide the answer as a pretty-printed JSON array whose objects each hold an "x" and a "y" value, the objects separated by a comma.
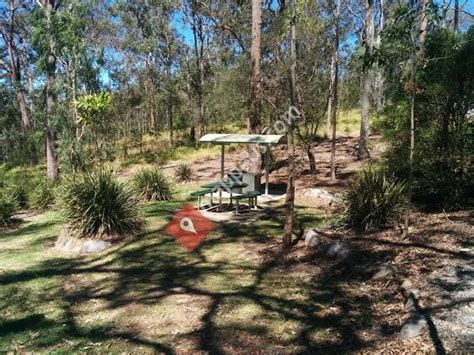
[
  {"x": 42, "y": 196},
  {"x": 184, "y": 172},
  {"x": 151, "y": 184},
  {"x": 18, "y": 193},
  {"x": 373, "y": 200},
  {"x": 98, "y": 205},
  {"x": 7, "y": 208}
]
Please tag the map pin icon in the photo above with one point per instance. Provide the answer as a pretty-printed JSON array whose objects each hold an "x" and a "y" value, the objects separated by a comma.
[{"x": 186, "y": 224}]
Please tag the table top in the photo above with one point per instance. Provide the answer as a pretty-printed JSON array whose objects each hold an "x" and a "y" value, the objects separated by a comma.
[{"x": 224, "y": 184}]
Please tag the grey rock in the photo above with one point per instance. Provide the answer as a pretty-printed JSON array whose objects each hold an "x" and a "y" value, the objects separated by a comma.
[
  {"x": 385, "y": 270},
  {"x": 413, "y": 326},
  {"x": 312, "y": 238},
  {"x": 95, "y": 246},
  {"x": 68, "y": 244},
  {"x": 338, "y": 250},
  {"x": 321, "y": 193}
]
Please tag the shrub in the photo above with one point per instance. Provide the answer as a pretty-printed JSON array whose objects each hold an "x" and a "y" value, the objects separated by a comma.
[
  {"x": 184, "y": 172},
  {"x": 151, "y": 184},
  {"x": 97, "y": 204},
  {"x": 7, "y": 208},
  {"x": 18, "y": 193},
  {"x": 42, "y": 196},
  {"x": 372, "y": 200}
]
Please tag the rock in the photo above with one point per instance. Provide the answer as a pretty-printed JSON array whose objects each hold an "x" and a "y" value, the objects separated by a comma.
[
  {"x": 312, "y": 238},
  {"x": 68, "y": 244},
  {"x": 338, "y": 250},
  {"x": 385, "y": 270},
  {"x": 320, "y": 193},
  {"x": 413, "y": 326},
  {"x": 95, "y": 246}
]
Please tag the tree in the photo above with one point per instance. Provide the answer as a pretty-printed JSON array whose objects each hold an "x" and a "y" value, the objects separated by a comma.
[
  {"x": 255, "y": 100},
  {"x": 49, "y": 9},
  {"x": 334, "y": 88},
  {"x": 8, "y": 33},
  {"x": 290, "y": 188},
  {"x": 366, "y": 87}
]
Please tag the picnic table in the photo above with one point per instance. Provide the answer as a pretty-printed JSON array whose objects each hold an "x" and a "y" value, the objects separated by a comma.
[
  {"x": 224, "y": 185},
  {"x": 227, "y": 185}
]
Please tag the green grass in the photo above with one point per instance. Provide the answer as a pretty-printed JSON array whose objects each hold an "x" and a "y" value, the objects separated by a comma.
[
  {"x": 348, "y": 122},
  {"x": 150, "y": 294}
]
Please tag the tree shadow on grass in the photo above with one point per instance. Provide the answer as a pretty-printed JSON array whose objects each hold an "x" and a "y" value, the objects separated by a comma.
[{"x": 154, "y": 271}]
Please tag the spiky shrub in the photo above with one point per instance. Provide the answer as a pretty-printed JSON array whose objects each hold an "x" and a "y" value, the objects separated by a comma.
[
  {"x": 43, "y": 196},
  {"x": 7, "y": 208},
  {"x": 184, "y": 172},
  {"x": 151, "y": 184},
  {"x": 372, "y": 200},
  {"x": 97, "y": 205},
  {"x": 18, "y": 193}
]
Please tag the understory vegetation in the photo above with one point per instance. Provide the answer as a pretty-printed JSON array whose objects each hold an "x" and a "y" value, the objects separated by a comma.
[
  {"x": 152, "y": 184},
  {"x": 373, "y": 200},
  {"x": 103, "y": 110},
  {"x": 98, "y": 205}
]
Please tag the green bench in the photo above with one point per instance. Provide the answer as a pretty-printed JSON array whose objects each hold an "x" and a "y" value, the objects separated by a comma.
[
  {"x": 250, "y": 195},
  {"x": 199, "y": 194}
]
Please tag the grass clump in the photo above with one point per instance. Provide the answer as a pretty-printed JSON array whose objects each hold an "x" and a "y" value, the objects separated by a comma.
[
  {"x": 372, "y": 200},
  {"x": 18, "y": 193},
  {"x": 7, "y": 209},
  {"x": 43, "y": 196},
  {"x": 97, "y": 204},
  {"x": 184, "y": 172},
  {"x": 151, "y": 184}
]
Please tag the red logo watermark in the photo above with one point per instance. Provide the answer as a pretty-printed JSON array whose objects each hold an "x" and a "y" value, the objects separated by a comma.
[{"x": 189, "y": 227}]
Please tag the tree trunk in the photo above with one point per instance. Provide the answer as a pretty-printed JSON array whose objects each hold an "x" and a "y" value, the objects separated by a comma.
[
  {"x": 170, "y": 126},
  {"x": 311, "y": 159},
  {"x": 412, "y": 151},
  {"x": 366, "y": 87},
  {"x": 198, "y": 36},
  {"x": 379, "y": 80},
  {"x": 51, "y": 158},
  {"x": 290, "y": 189},
  {"x": 423, "y": 24},
  {"x": 334, "y": 93},
  {"x": 253, "y": 124},
  {"x": 255, "y": 81},
  {"x": 15, "y": 70},
  {"x": 456, "y": 16},
  {"x": 329, "y": 113}
]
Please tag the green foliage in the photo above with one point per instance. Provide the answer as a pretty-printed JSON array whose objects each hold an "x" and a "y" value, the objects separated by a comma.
[
  {"x": 372, "y": 200},
  {"x": 151, "y": 184},
  {"x": 43, "y": 196},
  {"x": 7, "y": 208},
  {"x": 97, "y": 204},
  {"x": 93, "y": 108},
  {"x": 184, "y": 172},
  {"x": 18, "y": 192},
  {"x": 443, "y": 169}
]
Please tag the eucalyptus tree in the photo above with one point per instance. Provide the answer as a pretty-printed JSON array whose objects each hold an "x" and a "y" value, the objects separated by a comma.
[
  {"x": 290, "y": 189},
  {"x": 143, "y": 35},
  {"x": 366, "y": 87},
  {"x": 13, "y": 30},
  {"x": 45, "y": 37}
]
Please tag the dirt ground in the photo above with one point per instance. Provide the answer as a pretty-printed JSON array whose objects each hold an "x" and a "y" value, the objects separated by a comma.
[{"x": 436, "y": 257}]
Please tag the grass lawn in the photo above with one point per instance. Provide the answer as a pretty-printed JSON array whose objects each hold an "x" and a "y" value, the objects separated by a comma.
[{"x": 151, "y": 294}]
